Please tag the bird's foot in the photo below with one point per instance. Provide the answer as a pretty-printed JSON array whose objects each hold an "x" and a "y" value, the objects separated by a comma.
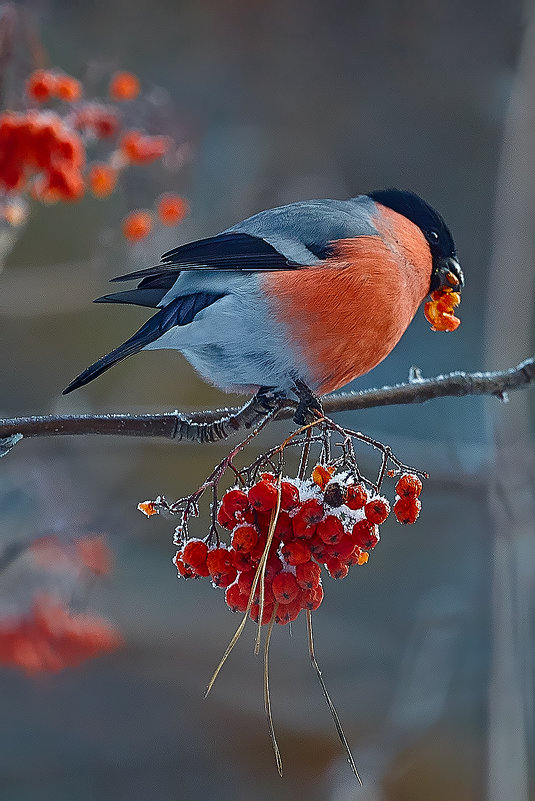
[
  {"x": 309, "y": 406},
  {"x": 268, "y": 398}
]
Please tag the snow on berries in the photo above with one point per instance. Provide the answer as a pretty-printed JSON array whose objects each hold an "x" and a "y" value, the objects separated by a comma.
[{"x": 288, "y": 533}]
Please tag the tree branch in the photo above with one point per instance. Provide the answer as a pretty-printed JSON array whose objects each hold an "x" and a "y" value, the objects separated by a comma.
[{"x": 220, "y": 424}]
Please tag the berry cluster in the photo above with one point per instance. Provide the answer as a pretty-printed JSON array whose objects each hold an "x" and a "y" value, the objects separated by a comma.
[
  {"x": 439, "y": 310},
  {"x": 39, "y": 150},
  {"x": 52, "y": 637},
  {"x": 43, "y": 152},
  {"x": 288, "y": 533}
]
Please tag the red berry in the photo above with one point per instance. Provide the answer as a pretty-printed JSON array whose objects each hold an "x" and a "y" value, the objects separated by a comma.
[
  {"x": 285, "y": 587},
  {"x": 219, "y": 561},
  {"x": 235, "y": 599},
  {"x": 407, "y": 509},
  {"x": 311, "y": 599},
  {"x": 289, "y": 496},
  {"x": 377, "y": 510},
  {"x": 183, "y": 570},
  {"x": 267, "y": 612},
  {"x": 365, "y": 535},
  {"x": 41, "y": 85},
  {"x": 283, "y": 529},
  {"x": 226, "y": 578},
  {"x": 124, "y": 86},
  {"x": 225, "y": 519},
  {"x": 245, "y": 581},
  {"x": 195, "y": 553},
  {"x": 307, "y": 518},
  {"x": 273, "y": 565},
  {"x": 356, "y": 496},
  {"x": 308, "y": 575},
  {"x": 409, "y": 485},
  {"x": 234, "y": 501},
  {"x": 341, "y": 550},
  {"x": 336, "y": 568},
  {"x": 241, "y": 560},
  {"x": 263, "y": 496},
  {"x": 287, "y": 612},
  {"x": 244, "y": 538},
  {"x": 296, "y": 552},
  {"x": 331, "y": 529},
  {"x": 268, "y": 477}
]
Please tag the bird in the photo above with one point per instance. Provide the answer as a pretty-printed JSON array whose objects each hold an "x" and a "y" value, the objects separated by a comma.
[{"x": 296, "y": 300}]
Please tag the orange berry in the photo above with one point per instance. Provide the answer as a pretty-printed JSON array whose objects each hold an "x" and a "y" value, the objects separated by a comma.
[
  {"x": 407, "y": 510},
  {"x": 142, "y": 149},
  {"x": 409, "y": 485},
  {"x": 321, "y": 475},
  {"x": 41, "y": 85},
  {"x": 439, "y": 310},
  {"x": 67, "y": 88},
  {"x": 102, "y": 179},
  {"x": 137, "y": 225},
  {"x": 172, "y": 209},
  {"x": 363, "y": 558},
  {"x": 124, "y": 86}
]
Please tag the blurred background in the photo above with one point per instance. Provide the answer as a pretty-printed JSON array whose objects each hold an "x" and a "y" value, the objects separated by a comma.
[{"x": 428, "y": 650}]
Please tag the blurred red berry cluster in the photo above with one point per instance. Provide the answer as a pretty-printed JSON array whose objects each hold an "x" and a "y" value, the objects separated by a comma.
[
  {"x": 51, "y": 637},
  {"x": 44, "y": 151},
  {"x": 326, "y": 522}
]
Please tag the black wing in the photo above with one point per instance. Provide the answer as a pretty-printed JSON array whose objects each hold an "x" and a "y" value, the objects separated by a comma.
[
  {"x": 228, "y": 251},
  {"x": 179, "y": 311}
]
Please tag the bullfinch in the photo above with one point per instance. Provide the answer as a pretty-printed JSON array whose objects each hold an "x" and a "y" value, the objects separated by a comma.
[{"x": 301, "y": 298}]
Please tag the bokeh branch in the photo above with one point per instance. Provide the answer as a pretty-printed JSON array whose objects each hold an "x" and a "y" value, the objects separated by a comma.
[{"x": 220, "y": 424}]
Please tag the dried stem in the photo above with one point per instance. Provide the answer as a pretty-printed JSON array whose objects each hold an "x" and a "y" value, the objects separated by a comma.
[
  {"x": 330, "y": 704},
  {"x": 212, "y": 426},
  {"x": 267, "y": 699}
]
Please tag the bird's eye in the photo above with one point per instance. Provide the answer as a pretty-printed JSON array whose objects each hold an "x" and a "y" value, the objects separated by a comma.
[{"x": 433, "y": 236}]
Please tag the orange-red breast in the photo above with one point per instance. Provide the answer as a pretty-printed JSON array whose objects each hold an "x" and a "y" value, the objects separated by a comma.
[{"x": 314, "y": 293}]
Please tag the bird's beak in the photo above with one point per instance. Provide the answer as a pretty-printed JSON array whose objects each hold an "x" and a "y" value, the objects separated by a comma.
[{"x": 447, "y": 273}]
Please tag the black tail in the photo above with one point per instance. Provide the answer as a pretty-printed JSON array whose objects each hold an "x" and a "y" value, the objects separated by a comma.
[{"x": 180, "y": 311}]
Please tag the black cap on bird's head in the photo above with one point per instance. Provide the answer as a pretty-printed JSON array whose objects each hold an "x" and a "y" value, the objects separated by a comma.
[{"x": 446, "y": 270}]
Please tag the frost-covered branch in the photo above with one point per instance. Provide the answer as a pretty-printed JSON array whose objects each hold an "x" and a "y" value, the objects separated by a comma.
[{"x": 220, "y": 424}]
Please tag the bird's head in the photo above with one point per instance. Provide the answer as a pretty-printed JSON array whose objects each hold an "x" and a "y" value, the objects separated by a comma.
[{"x": 446, "y": 270}]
